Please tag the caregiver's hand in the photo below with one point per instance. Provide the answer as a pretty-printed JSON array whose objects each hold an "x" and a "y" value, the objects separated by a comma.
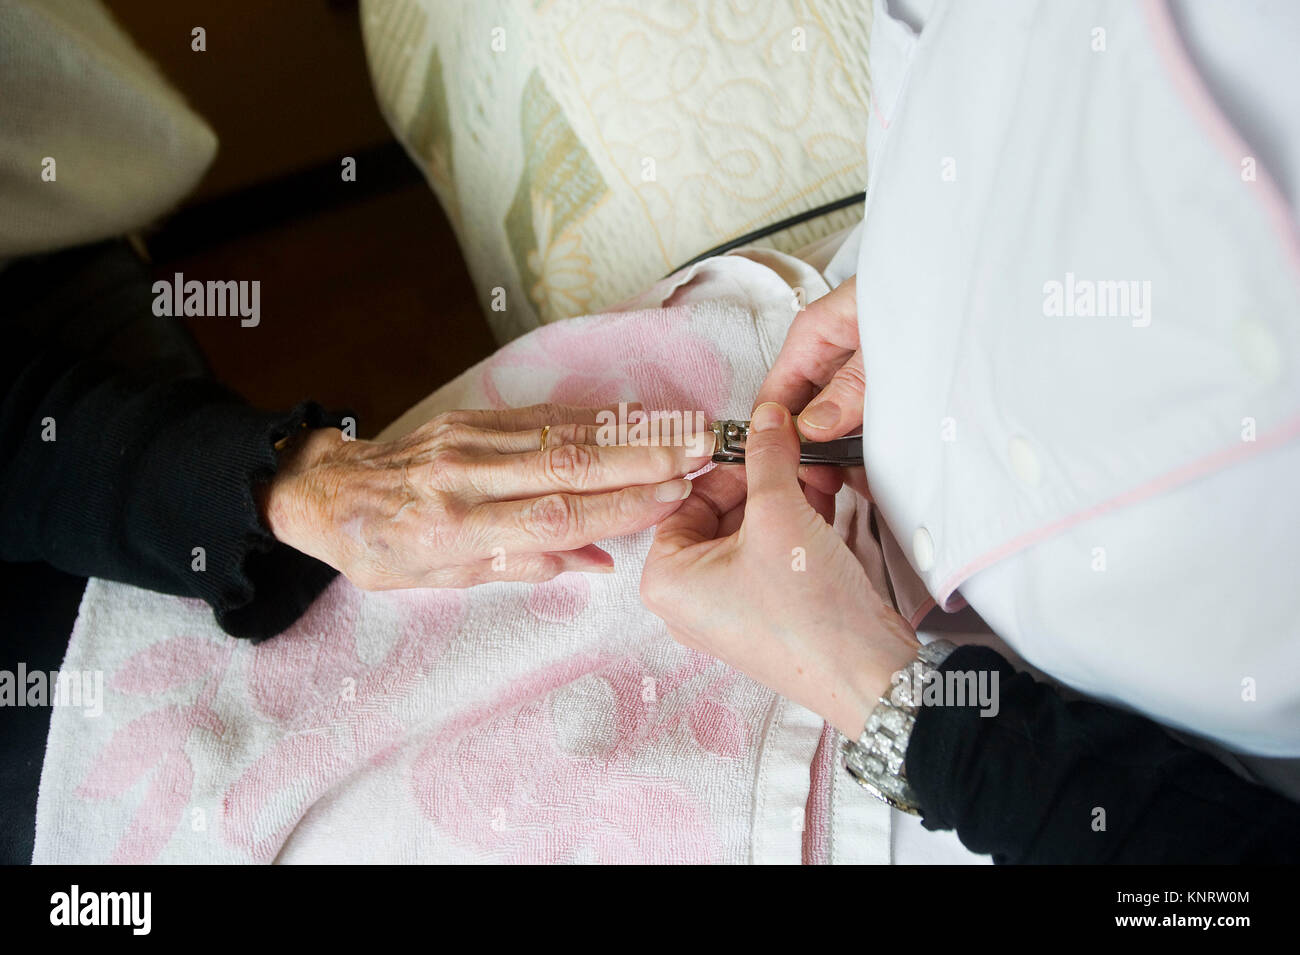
[
  {"x": 471, "y": 497},
  {"x": 819, "y": 375},
  {"x": 762, "y": 582}
]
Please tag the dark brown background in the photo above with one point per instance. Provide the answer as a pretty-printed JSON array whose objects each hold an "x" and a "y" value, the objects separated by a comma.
[{"x": 366, "y": 303}]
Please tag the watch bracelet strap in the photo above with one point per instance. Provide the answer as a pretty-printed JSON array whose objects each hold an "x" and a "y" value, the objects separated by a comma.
[{"x": 876, "y": 759}]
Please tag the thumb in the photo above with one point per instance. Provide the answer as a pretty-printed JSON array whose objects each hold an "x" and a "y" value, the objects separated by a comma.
[
  {"x": 772, "y": 452},
  {"x": 837, "y": 411}
]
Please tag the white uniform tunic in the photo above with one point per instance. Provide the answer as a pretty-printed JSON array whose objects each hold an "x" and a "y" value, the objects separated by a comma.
[{"x": 1079, "y": 294}]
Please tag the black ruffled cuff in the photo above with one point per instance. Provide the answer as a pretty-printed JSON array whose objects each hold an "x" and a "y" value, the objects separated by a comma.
[{"x": 257, "y": 586}]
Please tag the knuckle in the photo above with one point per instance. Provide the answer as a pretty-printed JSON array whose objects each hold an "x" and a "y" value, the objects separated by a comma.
[
  {"x": 448, "y": 467},
  {"x": 542, "y": 568},
  {"x": 552, "y": 517},
  {"x": 853, "y": 377},
  {"x": 571, "y": 464},
  {"x": 449, "y": 429},
  {"x": 545, "y": 411},
  {"x": 625, "y": 507},
  {"x": 452, "y": 434},
  {"x": 667, "y": 461},
  {"x": 762, "y": 451},
  {"x": 437, "y": 426},
  {"x": 571, "y": 433}
]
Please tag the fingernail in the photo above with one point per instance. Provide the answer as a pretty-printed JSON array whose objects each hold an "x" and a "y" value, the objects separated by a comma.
[
  {"x": 678, "y": 490},
  {"x": 767, "y": 416},
  {"x": 823, "y": 415}
]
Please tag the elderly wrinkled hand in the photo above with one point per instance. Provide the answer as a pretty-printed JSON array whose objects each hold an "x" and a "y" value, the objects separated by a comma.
[
  {"x": 472, "y": 497},
  {"x": 748, "y": 571}
]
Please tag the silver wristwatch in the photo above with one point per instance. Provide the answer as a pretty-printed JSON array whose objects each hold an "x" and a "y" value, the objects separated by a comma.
[{"x": 876, "y": 759}]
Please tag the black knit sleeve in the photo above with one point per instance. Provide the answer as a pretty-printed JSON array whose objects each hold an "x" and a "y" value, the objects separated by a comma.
[
  {"x": 153, "y": 485},
  {"x": 1051, "y": 781},
  {"x": 133, "y": 472}
]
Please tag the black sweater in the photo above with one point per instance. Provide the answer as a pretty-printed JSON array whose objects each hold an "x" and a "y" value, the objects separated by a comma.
[
  {"x": 151, "y": 461},
  {"x": 118, "y": 457},
  {"x": 1026, "y": 785}
]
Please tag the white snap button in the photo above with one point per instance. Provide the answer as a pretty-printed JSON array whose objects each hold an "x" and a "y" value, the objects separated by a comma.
[
  {"x": 1024, "y": 462},
  {"x": 1257, "y": 346},
  {"x": 923, "y": 549}
]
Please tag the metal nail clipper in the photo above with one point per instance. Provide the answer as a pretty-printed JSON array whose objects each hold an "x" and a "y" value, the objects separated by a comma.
[{"x": 729, "y": 447}]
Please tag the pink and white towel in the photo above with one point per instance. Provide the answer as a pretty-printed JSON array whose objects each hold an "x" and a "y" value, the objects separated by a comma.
[{"x": 507, "y": 723}]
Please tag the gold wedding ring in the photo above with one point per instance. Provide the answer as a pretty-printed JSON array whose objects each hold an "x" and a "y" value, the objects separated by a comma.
[{"x": 546, "y": 430}]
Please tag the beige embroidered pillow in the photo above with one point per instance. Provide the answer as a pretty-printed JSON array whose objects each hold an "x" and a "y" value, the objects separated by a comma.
[{"x": 584, "y": 148}]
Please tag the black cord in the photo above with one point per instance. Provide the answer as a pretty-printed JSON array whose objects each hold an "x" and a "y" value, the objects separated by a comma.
[{"x": 775, "y": 227}]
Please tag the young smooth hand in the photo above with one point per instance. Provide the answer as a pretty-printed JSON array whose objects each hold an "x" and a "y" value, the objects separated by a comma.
[
  {"x": 819, "y": 375},
  {"x": 748, "y": 571}
]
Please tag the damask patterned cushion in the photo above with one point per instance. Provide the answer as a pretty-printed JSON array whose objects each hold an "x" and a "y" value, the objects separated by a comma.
[{"x": 584, "y": 148}]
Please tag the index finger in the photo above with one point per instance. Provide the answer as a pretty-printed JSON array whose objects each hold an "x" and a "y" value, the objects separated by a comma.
[{"x": 821, "y": 339}]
